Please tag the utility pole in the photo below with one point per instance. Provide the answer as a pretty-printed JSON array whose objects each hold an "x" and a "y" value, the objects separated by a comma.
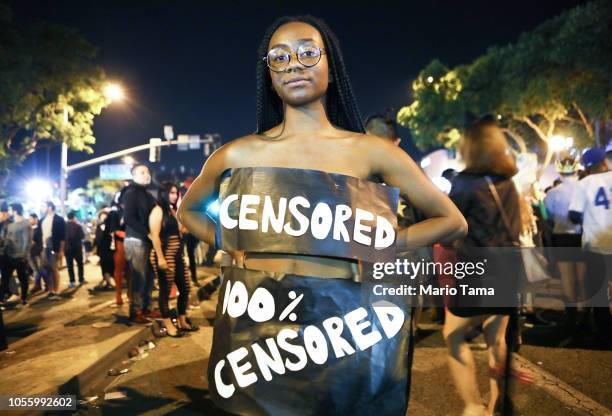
[{"x": 64, "y": 170}]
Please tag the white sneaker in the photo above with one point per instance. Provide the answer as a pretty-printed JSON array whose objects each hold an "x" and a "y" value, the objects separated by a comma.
[{"x": 13, "y": 298}]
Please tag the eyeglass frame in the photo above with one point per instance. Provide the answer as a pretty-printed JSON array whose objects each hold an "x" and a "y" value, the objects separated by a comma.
[{"x": 294, "y": 52}]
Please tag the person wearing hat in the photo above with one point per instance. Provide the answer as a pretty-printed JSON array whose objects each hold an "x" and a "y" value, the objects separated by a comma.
[
  {"x": 567, "y": 237},
  {"x": 591, "y": 206}
]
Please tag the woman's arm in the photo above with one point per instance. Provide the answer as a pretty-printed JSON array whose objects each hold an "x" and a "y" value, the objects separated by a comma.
[
  {"x": 444, "y": 222},
  {"x": 203, "y": 190},
  {"x": 182, "y": 229},
  {"x": 155, "y": 223}
]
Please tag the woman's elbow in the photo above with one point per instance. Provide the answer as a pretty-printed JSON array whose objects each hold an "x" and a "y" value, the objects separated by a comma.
[
  {"x": 459, "y": 226},
  {"x": 181, "y": 214}
]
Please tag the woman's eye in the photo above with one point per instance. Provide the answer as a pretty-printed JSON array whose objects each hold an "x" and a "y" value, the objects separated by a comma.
[{"x": 280, "y": 58}]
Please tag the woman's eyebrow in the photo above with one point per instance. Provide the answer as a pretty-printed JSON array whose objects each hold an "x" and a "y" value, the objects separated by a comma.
[{"x": 299, "y": 41}]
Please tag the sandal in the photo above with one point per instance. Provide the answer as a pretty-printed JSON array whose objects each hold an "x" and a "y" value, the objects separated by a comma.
[
  {"x": 179, "y": 332},
  {"x": 192, "y": 327}
]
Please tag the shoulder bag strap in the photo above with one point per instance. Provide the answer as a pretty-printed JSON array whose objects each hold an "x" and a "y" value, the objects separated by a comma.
[{"x": 498, "y": 203}]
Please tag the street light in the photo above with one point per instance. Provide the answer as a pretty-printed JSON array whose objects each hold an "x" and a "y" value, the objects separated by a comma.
[
  {"x": 114, "y": 92},
  {"x": 38, "y": 189},
  {"x": 560, "y": 143}
]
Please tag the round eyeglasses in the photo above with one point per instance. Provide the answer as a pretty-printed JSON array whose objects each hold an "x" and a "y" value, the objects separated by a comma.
[{"x": 279, "y": 57}]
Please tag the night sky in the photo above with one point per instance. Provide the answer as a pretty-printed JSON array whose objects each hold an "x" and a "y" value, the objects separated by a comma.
[{"x": 192, "y": 63}]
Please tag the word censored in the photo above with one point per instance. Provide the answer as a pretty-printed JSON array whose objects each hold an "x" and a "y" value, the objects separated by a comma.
[
  {"x": 322, "y": 221},
  {"x": 292, "y": 350}
]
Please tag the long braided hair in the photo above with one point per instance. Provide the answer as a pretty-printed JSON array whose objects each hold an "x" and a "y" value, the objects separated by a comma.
[{"x": 341, "y": 105}]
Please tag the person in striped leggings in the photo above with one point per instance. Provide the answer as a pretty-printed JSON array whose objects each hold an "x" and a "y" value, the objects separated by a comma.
[{"x": 167, "y": 258}]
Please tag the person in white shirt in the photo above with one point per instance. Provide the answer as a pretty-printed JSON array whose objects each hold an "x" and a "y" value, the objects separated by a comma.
[
  {"x": 591, "y": 205},
  {"x": 566, "y": 238}
]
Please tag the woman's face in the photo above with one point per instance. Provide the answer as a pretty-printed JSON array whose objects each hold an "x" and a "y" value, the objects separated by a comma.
[
  {"x": 173, "y": 195},
  {"x": 297, "y": 84}
]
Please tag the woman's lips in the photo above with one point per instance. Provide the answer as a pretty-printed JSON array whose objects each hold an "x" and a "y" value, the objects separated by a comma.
[{"x": 297, "y": 81}]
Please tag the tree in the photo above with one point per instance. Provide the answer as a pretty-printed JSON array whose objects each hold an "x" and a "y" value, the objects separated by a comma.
[
  {"x": 555, "y": 79},
  {"x": 437, "y": 108},
  {"x": 50, "y": 89},
  {"x": 102, "y": 191}
]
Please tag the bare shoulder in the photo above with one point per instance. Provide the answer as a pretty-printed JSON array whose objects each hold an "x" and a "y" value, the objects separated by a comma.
[
  {"x": 233, "y": 152},
  {"x": 373, "y": 141},
  {"x": 156, "y": 212},
  {"x": 376, "y": 146}
]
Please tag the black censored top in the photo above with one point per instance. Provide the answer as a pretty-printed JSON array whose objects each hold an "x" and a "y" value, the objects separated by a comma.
[{"x": 300, "y": 211}]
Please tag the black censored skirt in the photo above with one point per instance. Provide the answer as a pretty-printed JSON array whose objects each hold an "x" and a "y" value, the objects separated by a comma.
[{"x": 318, "y": 348}]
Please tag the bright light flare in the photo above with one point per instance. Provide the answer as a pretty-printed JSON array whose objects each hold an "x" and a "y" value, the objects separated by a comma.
[
  {"x": 426, "y": 161},
  {"x": 38, "y": 189},
  {"x": 128, "y": 160},
  {"x": 114, "y": 92},
  {"x": 442, "y": 184},
  {"x": 430, "y": 79},
  {"x": 559, "y": 143},
  {"x": 212, "y": 209}
]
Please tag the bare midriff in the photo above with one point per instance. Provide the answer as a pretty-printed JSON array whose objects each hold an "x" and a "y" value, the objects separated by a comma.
[{"x": 296, "y": 264}]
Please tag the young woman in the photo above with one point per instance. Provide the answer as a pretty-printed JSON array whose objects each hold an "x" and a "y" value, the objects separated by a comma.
[
  {"x": 167, "y": 258},
  {"x": 309, "y": 127},
  {"x": 486, "y": 155},
  {"x": 102, "y": 244}
]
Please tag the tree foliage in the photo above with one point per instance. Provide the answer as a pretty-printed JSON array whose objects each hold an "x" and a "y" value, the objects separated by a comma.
[
  {"x": 102, "y": 191},
  {"x": 46, "y": 73},
  {"x": 555, "y": 79}
]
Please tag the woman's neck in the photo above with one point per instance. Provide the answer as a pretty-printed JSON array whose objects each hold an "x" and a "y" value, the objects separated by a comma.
[{"x": 306, "y": 119}]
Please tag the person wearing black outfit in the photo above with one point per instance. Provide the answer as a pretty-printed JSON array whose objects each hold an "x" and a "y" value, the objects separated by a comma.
[
  {"x": 167, "y": 258},
  {"x": 74, "y": 248},
  {"x": 35, "y": 254},
  {"x": 138, "y": 203},
  {"x": 102, "y": 244},
  {"x": 191, "y": 244},
  {"x": 486, "y": 195}
]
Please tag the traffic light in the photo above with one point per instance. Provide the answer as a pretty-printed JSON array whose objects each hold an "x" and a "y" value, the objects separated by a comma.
[
  {"x": 155, "y": 150},
  {"x": 211, "y": 143}
]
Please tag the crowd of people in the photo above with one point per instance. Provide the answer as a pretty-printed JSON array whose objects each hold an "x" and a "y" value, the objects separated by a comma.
[
  {"x": 138, "y": 241},
  {"x": 570, "y": 221},
  {"x": 35, "y": 247}
]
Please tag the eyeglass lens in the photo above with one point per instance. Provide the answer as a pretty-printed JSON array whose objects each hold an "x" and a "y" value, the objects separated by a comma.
[{"x": 307, "y": 54}]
